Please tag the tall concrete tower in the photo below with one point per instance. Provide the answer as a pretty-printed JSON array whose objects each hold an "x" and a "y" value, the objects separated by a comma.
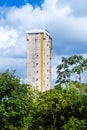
[{"x": 39, "y": 55}]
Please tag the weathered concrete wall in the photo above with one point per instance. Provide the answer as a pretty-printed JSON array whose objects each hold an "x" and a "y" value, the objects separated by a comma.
[{"x": 39, "y": 46}]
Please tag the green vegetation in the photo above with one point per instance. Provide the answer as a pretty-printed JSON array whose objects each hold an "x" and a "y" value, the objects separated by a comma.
[
  {"x": 61, "y": 108},
  {"x": 72, "y": 68},
  {"x": 16, "y": 103}
]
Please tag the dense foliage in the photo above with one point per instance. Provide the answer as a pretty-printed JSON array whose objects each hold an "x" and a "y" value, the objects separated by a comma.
[
  {"x": 23, "y": 108},
  {"x": 73, "y": 68},
  {"x": 16, "y": 103},
  {"x": 62, "y": 109}
]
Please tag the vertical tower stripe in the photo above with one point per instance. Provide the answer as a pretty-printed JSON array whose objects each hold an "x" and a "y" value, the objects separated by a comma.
[{"x": 41, "y": 62}]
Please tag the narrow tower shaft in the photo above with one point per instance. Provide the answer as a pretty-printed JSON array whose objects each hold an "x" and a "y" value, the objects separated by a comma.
[{"x": 39, "y": 47}]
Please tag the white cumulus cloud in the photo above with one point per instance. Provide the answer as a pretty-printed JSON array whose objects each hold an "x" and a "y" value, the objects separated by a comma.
[
  {"x": 8, "y": 37},
  {"x": 68, "y": 31}
]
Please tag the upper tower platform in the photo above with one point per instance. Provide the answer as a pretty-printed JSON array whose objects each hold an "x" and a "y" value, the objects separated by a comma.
[{"x": 35, "y": 31}]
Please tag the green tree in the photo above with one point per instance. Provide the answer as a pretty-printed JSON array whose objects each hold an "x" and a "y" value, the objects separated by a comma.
[
  {"x": 23, "y": 108},
  {"x": 75, "y": 124},
  {"x": 16, "y": 103},
  {"x": 72, "y": 68},
  {"x": 55, "y": 107}
]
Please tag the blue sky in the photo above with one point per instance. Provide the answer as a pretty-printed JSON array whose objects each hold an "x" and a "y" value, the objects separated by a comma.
[
  {"x": 18, "y": 3},
  {"x": 66, "y": 21}
]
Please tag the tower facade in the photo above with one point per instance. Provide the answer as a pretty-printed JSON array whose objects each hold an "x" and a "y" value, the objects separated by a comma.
[{"x": 39, "y": 55}]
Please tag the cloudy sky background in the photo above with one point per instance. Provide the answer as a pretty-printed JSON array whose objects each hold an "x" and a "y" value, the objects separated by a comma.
[{"x": 66, "y": 21}]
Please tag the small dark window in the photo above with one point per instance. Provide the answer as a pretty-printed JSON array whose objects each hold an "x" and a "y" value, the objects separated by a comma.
[
  {"x": 44, "y": 38},
  {"x": 27, "y": 39},
  {"x": 35, "y": 39},
  {"x": 36, "y": 63}
]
